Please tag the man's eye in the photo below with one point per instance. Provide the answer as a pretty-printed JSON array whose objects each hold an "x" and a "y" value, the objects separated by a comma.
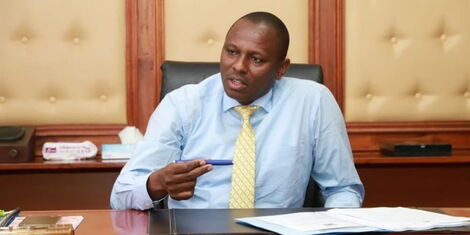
[
  {"x": 231, "y": 52},
  {"x": 256, "y": 60}
]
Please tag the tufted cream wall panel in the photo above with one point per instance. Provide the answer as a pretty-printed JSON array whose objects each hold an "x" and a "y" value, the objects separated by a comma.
[
  {"x": 407, "y": 60},
  {"x": 62, "y": 62},
  {"x": 195, "y": 29}
]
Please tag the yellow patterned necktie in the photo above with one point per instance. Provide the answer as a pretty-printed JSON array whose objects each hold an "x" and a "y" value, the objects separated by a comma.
[{"x": 244, "y": 163}]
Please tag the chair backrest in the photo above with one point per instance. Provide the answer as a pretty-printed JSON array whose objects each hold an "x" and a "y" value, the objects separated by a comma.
[{"x": 176, "y": 74}]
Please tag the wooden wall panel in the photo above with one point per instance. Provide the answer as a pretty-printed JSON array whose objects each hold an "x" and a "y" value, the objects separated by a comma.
[
  {"x": 146, "y": 61},
  {"x": 444, "y": 185},
  {"x": 326, "y": 43},
  {"x": 57, "y": 190},
  {"x": 367, "y": 137}
]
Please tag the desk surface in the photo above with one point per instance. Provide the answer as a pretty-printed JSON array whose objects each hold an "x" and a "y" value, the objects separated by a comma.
[{"x": 136, "y": 222}]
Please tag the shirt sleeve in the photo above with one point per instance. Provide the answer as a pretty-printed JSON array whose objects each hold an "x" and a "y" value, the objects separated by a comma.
[
  {"x": 334, "y": 169},
  {"x": 161, "y": 145}
]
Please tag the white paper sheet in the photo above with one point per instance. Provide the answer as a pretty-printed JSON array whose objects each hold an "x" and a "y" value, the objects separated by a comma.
[
  {"x": 355, "y": 220},
  {"x": 400, "y": 218}
]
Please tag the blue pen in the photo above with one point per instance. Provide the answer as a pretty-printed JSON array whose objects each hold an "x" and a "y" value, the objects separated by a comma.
[{"x": 212, "y": 162}]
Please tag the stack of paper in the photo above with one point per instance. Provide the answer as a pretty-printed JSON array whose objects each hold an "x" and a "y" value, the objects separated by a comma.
[
  {"x": 384, "y": 219},
  {"x": 35, "y": 220}
]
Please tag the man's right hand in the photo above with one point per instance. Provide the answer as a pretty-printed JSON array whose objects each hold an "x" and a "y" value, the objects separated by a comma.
[{"x": 176, "y": 180}]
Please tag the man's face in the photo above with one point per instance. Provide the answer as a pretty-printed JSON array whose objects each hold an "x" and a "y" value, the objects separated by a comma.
[{"x": 250, "y": 61}]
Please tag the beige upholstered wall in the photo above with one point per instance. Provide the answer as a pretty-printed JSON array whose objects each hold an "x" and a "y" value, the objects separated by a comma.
[
  {"x": 62, "y": 62},
  {"x": 195, "y": 29},
  {"x": 407, "y": 60}
]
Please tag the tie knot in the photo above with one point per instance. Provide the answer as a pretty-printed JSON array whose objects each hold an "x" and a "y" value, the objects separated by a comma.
[{"x": 246, "y": 111}]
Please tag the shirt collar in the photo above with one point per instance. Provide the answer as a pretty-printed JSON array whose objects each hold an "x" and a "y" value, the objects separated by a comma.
[{"x": 264, "y": 101}]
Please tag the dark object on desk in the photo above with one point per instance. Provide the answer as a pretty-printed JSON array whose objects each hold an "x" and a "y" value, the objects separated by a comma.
[
  {"x": 11, "y": 133},
  {"x": 8, "y": 217},
  {"x": 416, "y": 149},
  {"x": 209, "y": 221},
  {"x": 16, "y": 144}
]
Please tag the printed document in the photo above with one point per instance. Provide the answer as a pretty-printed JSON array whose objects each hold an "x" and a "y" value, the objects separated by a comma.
[{"x": 384, "y": 219}]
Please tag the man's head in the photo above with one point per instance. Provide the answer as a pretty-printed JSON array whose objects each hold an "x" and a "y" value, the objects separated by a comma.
[{"x": 254, "y": 56}]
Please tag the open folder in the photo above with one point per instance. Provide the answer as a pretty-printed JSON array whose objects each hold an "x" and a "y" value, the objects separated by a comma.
[{"x": 378, "y": 219}]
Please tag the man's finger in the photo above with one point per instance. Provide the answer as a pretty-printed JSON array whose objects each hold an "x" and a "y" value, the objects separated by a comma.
[
  {"x": 191, "y": 175},
  {"x": 201, "y": 170},
  {"x": 181, "y": 187},
  {"x": 183, "y": 167},
  {"x": 182, "y": 195}
]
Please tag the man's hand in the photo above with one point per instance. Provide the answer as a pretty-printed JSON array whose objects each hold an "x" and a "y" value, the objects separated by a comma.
[{"x": 176, "y": 179}]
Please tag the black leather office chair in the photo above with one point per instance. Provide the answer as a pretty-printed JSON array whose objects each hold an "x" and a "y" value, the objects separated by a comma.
[{"x": 176, "y": 74}]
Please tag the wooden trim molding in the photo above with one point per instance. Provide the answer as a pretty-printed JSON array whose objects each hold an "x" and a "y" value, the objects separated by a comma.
[
  {"x": 40, "y": 165},
  {"x": 77, "y": 130},
  {"x": 146, "y": 61},
  {"x": 313, "y": 31},
  {"x": 131, "y": 61},
  {"x": 407, "y": 127},
  {"x": 326, "y": 43},
  {"x": 160, "y": 44}
]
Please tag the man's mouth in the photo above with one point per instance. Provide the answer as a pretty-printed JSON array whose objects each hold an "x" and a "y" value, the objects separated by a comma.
[{"x": 236, "y": 84}]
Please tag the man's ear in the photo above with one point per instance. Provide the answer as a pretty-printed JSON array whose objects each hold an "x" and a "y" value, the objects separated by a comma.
[{"x": 283, "y": 68}]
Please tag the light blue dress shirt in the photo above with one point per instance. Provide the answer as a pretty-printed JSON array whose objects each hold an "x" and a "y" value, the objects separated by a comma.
[{"x": 299, "y": 129}]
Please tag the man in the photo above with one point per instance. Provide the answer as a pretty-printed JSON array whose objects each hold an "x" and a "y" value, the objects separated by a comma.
[{"x": 296, "y": 128}]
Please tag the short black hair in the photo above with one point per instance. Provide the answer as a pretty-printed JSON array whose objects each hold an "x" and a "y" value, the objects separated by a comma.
[{"x": 274, "y": 22}]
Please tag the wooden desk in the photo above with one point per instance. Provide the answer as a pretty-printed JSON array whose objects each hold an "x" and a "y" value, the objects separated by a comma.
[
  {"x": 106, "y": 222},
  {"x": 58, "y": 185}
]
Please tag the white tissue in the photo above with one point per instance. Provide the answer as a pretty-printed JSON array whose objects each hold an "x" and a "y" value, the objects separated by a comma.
[
  {"x": 130, "y": 135},
  {"x": 68, "y": 151}
]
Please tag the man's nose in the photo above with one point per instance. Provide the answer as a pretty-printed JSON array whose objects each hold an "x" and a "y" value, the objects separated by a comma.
[{"x": 240, "y": 65}]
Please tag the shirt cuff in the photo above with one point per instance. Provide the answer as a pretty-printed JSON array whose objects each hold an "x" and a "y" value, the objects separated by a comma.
[
  {"x": 157, "y": 202},
  {"x": 343, "y": 199},
  {"x": 143, "y": 200}
]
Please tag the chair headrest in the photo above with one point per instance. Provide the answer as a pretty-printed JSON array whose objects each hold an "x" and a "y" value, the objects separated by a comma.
[{"x": 177, "y": 73}]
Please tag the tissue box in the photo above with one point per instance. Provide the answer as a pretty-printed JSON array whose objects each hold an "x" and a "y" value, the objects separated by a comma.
[{"x": 117, "y": 151}]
